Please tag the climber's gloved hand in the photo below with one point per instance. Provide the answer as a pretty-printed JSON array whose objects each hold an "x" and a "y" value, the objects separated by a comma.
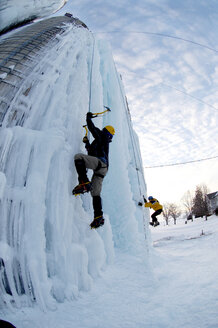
[
  {"x": 145, "y": 200},
  {"x": 89, "y": 115},
  {"x": 85, "y": 139},
  {"x": 140, "y": 204}
]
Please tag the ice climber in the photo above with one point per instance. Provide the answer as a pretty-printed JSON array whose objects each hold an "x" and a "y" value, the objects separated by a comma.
[
  {"x": 97, "y": 160},
  {"x": 156, "y": 206}
]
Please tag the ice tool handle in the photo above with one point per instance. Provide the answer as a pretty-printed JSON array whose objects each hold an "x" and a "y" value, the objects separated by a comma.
[
  {"x": 105, "y": 111},
  {"x": 95, "y": 115},
  {"x": 85, "y": 126}
]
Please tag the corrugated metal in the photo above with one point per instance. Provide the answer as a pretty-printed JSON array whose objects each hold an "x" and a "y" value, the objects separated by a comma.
[{"x": 20, "y": 53}]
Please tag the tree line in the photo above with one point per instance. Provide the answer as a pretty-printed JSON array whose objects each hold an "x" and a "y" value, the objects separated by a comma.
[{"x": 196, "y": 205}]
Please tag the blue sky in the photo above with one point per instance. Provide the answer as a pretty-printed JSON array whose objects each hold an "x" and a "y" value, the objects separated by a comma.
[{"x": 166, "y": 52}]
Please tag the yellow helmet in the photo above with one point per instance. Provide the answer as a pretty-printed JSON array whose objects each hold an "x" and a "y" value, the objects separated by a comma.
[{"x": 110, "y": 129}]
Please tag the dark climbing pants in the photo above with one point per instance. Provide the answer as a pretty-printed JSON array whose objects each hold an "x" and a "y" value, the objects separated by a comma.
[{"x": 154, "y": 215}]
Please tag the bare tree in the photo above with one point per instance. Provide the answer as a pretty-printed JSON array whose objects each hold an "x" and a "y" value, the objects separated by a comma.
[
  {"x": 174, "y": 212},
  {"x": 171, "y": 210},
  {"x": 166, "y": 212},
  {"x": 187, "y": 200}
]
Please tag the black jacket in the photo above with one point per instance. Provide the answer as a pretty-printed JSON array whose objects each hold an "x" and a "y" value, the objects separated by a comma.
[{"x": 100, "y": 145}]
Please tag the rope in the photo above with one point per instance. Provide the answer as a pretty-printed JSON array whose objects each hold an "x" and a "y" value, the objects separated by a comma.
[
  {"x": 189, "y": 95},
  {"x": 162, "y": 35},
  {"x": 174, "y": 88},
  {"x": 90, "y": 81},
  {"x": 131, "y": 138},
  {"x": 134, "y": 153},
  {"x": 197, "y": 160}
]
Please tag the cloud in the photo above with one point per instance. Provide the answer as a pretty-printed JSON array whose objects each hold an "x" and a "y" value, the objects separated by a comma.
[{"x": 170, "y": 83}]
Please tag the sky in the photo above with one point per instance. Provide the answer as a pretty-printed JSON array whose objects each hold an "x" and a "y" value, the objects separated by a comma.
[{"x": 166, "y": 53}]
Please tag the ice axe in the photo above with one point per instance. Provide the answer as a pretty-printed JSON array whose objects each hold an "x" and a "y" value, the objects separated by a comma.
[
  {"x": 93, "y": 116},
  {"x": 105, "y": 111},
  {"x": 85, "y": 126}
]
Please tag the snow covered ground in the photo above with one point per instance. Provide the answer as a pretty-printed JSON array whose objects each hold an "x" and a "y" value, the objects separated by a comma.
[
  {"x": 187, "y": 271},
  {"x": 181, "y": 292}
]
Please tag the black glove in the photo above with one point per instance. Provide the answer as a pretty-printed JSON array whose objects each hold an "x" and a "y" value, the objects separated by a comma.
[
  {"x": 85, "y": 139},
  {"x": 89, "y": 115},
  {"x": 140, "y": 204},
  {"x": 145, "y": 200}
]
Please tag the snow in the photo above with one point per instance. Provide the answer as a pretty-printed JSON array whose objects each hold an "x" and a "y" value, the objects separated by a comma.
[
  {"x": 179, "y": 291},
  {"x": 13, "y": 11},
  {"x": 55, "y": 270},
  {"x": 187, "y": 272},
  {"x": 2, "y": 184},
  {"x": 3, "y": 75}
]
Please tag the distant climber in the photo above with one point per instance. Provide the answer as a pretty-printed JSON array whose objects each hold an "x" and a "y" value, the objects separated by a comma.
[
  {"x": 97, "y": 160},
  {"x": 156, "y": 206}
]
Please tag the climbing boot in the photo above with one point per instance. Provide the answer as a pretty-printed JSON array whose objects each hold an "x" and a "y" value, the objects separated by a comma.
[
  {"x": 97, "y": 222},
  {"x": 82, "y": 188}
]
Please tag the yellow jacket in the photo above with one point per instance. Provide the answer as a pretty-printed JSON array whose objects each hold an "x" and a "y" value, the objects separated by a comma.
[{"x": 154, "y": 204}]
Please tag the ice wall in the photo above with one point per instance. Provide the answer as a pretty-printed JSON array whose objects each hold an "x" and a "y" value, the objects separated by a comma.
[
  {"x": 48, "y": 253},
  {"x": 13, "y": 12}
]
